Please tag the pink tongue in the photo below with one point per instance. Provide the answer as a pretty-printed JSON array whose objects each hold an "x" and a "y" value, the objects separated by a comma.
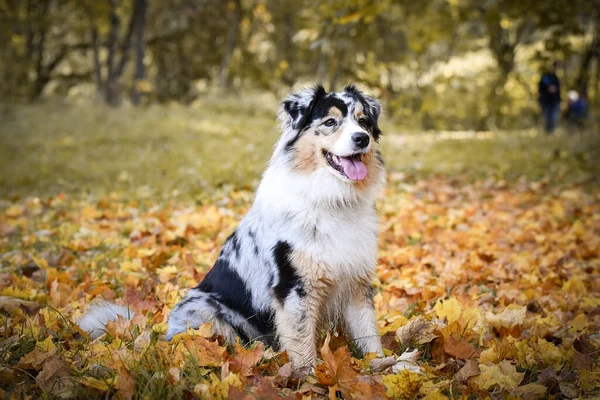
[{"x": 354, "y": 169}]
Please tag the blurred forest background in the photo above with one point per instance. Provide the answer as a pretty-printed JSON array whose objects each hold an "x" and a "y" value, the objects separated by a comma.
[
  {"x": 436, "y": 64},
  {"x": 142, "y": 96}
]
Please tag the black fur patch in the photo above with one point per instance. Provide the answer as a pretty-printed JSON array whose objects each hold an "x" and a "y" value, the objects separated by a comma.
[
  {"x": 294, "y": 109},
  {"x": 372, "y": 113},
  {"x": 230, "y": 290},
  {"x": 234, "y": 242},
  {"x": 325, "y": 104},
  {"x": 379, "y": 157},
  {"x": 252, "y": 236},
  {"x": 288, "y": 278}
]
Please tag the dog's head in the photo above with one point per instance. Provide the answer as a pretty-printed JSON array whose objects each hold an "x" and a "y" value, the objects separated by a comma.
[{"x": 333, "y": 132}]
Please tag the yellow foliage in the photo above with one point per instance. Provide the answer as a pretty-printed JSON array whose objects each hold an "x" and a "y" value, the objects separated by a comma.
[
  {"x": 450, "y": 309},
  {"x": 503, "y": 375},
  {"x": 403, "y": 385}
]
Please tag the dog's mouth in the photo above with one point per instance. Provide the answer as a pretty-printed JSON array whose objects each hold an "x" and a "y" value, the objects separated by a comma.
[{"x": 350, "y": 167}]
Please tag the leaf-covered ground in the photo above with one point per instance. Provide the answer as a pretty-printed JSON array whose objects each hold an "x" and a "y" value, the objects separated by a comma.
[
  {"x": 488, "y": 278},
  {"x": 497, "y": 287}
]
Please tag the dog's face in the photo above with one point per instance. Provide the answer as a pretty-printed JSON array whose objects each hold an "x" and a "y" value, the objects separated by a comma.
[{"x": 333, "y": 132}]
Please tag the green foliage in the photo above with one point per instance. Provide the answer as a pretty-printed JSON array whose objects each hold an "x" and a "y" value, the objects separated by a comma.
[{"x": 437, "y": 64}]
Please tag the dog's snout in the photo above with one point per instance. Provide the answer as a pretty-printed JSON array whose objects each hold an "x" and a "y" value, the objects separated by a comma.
[{"x": 361, "y": 139}]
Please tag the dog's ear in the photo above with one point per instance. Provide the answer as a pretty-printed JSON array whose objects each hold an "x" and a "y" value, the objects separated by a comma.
[
  {"x": 294, "y": 113},
  {"x": 371, "y": 105},
  {"x": 295, "y": 110}
]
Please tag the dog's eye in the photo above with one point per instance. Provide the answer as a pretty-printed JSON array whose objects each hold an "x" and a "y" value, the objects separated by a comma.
[
  {"x": 362, "y": 121},
  {"x": 330, "y": 122}
]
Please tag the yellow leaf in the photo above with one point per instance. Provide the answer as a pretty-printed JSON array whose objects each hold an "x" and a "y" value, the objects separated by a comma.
[
  {"x": 530, "y": 391},
  {"x": 503, "y": 375},
  {"x": 512, "y": 316},
  {"x": 88, "y": 381},
  {"x": 14, "y": 211},
  {"x": 451, "y": 309},
  {"x": 575, "y": 286},
  {"x": 166, "y": 273},
  {"x": 403, "y": 385}
]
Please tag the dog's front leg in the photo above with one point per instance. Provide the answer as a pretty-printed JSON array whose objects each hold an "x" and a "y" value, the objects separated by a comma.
[
  {"x": 361, "y": 322},
  {"x": 296, "y": 321}
]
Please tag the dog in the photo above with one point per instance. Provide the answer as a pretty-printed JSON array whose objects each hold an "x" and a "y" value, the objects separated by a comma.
[{"x": 303, "y": 257}]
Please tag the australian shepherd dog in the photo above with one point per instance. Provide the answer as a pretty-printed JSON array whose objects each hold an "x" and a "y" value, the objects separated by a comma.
[{"x": 303, "y": 258}]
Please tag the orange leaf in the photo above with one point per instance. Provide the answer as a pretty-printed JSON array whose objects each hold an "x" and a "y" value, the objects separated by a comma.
[
  {"x": 209, "y": 354},
  {"x": 463, "y": 349},
  {"x": 245, "y": 359}
]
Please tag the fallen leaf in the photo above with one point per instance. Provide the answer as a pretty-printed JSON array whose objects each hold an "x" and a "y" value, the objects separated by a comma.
[
  {"x": 503, "y": 376},
  {"x": 460, "y": 349},
  {"x": 245, "y": 359},
  {"x": 12, "y": 304},
  {"x": 381, "y": 364},
  {"x": 206, "y": 353},
  {"x": 407, "y": 361},
  {"x": 415, "y": 332},
  {"x": 531, "y": 391},
  {"x": 55, "y": 377},
  {"x": 403, "y": 385},
  {"x": 470, "y": 369}
]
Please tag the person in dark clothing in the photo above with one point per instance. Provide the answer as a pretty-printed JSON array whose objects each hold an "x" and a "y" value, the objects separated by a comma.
[
  {"x": 577, "y": 110},
  {"x": 549, "y": 91}
]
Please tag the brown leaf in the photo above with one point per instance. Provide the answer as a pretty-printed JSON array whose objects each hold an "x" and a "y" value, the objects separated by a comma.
[
  {"x": 582, "y": 361},
  {"x": 36, "y": 358},
  {"x": 381, "y": 364},
  {"x": 462, "y": 350},
  {"x": 548, "y": 378},
  {"x": 209, "y": 354},
  {"x": 471, "y": 368},
  {"x": 415, "y": 332},
  {"x": 245, "y": 359},
  {"x": 367, "y": 388},
  {"x": 338, "y": 362},
  {"x": 55, "y": 377},
  {"x": 12, "y": 304},
  {"x": 125, "y": 384}
]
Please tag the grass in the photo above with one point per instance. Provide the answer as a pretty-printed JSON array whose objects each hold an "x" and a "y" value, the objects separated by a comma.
[{"x": 191, "y": 151}]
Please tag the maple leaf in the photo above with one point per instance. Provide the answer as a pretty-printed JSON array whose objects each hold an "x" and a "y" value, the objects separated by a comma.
[
  {"x": 125, "y": 384},
  {"x": 403, "y": 385},
  {"x": 417, "y": 331},
  {"x": 207, "y": 353},
  {"x": 470, "y": 369},
  {"x": 42, "y": 352},
  {"x": 503, "y": 376},
  {"x": 337, "y": 373},
  {"x": 55, "y": 377},
  {"x": 245, "y": 359},
  {"x": 460, "y": 349},
  {"x": 449, "y": 309}
]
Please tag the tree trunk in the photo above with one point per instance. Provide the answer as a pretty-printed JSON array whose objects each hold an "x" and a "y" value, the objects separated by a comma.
[
  {"x": 113, "y": 92},
  {"x": 230, "y": 46},
  {"x": 140, "y": 71},
  {"x": 113, "y": 37},
  {"x": 41, "y": 78}
]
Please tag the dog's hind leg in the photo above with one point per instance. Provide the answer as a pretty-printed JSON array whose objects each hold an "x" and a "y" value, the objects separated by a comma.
[{"x": 196, "y": 309}]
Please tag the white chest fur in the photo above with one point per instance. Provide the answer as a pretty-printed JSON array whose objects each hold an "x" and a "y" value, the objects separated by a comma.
[{"x": 337, "y": 234}]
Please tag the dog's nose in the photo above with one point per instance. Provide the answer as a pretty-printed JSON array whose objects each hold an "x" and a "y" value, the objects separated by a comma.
[{"x": 361, "y": 139}]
